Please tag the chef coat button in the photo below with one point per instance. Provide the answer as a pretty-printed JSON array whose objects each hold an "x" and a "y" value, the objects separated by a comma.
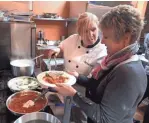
[
  {"x": 77, "y": 66},
  {"x": 87, "y": 51},
  {"x": 79, "y": 47},
  {"x": 69, "y": 61}
]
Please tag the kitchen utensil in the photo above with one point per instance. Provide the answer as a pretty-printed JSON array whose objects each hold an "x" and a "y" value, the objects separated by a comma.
[
  {"x": 70, "y": 81},
  {"x": 32, "y": 102},
  {"x": 37, "y": 117},
  {"x": 38, "y": 57},
  {"x": 26, "y": 92},
  {"x": 22, "y": 67},
  {"x": 41, "y": 95}
]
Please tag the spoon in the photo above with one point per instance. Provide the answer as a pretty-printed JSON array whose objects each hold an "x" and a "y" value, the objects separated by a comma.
[{"x": 30, "y": 103}]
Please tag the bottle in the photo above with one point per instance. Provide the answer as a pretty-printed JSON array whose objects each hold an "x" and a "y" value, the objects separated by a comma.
[{"x": 40, "y": 35}]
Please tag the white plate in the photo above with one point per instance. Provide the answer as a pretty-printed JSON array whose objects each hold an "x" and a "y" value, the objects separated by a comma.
[
  {"x": 23, "y": 83},
  {"x": 70, "y": 81}
]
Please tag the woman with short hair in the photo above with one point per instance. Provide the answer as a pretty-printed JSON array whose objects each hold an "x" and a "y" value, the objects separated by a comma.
[{"x": 118, "y": 83}]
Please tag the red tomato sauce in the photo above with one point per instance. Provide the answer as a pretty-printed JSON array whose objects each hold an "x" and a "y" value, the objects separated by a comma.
[{"x": 18, "y": 101}]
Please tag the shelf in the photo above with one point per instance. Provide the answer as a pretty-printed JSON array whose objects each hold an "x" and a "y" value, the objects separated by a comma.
[
  {"x": 56, "y": 19},
  {"x": 67, "y": 20}
]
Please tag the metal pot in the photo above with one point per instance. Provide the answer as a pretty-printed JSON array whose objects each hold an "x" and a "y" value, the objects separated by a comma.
[
  {"x": 37, "y": 117},
  {"x": 21, "y": 92},
  {"x": 22, "y": 67}
]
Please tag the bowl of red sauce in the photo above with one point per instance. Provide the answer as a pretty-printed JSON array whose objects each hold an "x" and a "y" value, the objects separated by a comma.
[{"x": 15, "y": 102}]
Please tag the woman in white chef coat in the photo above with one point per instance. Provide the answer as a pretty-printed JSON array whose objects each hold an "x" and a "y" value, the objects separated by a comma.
[{"x": 83, "y": 50}]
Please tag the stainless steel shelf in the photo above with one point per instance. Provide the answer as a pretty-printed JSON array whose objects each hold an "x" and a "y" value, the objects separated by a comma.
[
  {"x": 67, "y": 20},
  {"x": 57, "y": 19}
]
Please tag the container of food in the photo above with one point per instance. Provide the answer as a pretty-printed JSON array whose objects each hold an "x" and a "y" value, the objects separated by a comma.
[
  {"x": 37, "y": 117},
  {"x": 22, "y": 67},
  {"x": 23, "y": 83},
  {"x": 15, "y": 102}
]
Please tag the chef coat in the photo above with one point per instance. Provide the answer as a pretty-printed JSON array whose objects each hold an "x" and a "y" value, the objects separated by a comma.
[{"x": 79, "y": 58}]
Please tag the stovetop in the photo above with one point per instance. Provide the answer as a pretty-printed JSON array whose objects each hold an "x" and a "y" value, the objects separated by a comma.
[
  {"x": 5, "y": 115},
  {"x": 5, "y": 76}
]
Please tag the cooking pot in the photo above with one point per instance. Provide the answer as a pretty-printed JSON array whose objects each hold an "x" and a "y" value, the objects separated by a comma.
[
  {"x": 22, "y": 67},
  {"x": 37, "y": 117},
  {"x": 19, "y": 95}
]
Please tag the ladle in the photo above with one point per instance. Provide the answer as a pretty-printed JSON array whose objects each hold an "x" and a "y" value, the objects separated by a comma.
[
  {"x": 38, "y": 56},
  {"x": 30, "y": 103}
]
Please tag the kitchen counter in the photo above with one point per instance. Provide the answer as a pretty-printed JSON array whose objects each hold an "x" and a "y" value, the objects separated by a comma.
[{"x": 46, "y": 47}]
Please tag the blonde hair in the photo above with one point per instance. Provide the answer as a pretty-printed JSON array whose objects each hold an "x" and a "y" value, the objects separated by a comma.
[{"x": 84, "y": 20}]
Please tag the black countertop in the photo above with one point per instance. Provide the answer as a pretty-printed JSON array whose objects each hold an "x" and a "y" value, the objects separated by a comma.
[{"x": 5, "y": 115}]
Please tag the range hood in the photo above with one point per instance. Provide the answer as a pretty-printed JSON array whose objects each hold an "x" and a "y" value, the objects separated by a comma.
[{"x": 101, "y": 7}]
